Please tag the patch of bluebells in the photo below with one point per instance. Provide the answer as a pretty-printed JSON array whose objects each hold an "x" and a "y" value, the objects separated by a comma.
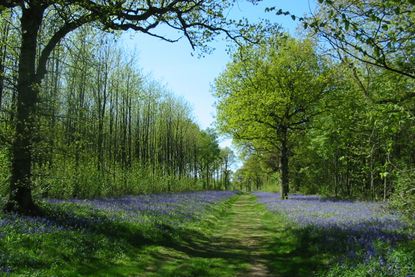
[
  {"x": 170, "y": 208},
  {"x": 167, "y": 208},
  {"x": 5, "y": 271},
  {"x": 74, "y": 214},
  {"x": 27, "y": 225},
  {"x": 351, "y": 226},
  {"x": 14, "y": 224}
]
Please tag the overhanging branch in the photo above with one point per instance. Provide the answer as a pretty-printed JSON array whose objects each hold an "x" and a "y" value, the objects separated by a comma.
[{"x": 55, "y": 39}]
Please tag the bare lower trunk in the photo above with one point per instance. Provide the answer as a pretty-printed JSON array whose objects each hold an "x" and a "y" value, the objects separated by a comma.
[
  {"x": 20, "y": 195},
  {"x": 3, "y": 56},
  {"x": 284, "y": 164},
  {"x": 1, "y": 79}
]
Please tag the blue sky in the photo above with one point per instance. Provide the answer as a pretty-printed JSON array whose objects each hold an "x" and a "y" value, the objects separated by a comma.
[{"x": 190, "y": 77}]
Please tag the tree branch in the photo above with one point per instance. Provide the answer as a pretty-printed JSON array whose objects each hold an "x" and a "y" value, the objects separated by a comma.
[{"x": 55, "y": 39}]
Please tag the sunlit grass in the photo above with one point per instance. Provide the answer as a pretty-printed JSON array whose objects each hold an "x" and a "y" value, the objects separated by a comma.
[{"x": 227, "y": 238}]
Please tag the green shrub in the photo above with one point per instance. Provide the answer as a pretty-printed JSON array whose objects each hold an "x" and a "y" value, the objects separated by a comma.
[
  {"x": 63, "y": 179},
  {"x": 4, "y": 173},
  {"x": 404, "y": 196}
]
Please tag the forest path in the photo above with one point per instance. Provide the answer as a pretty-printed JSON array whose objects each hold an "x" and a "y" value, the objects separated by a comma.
[
  {"x": 238, "y": 238},
  {"x": 242, "y": 230},
  {"x": 264, "y": 241}
]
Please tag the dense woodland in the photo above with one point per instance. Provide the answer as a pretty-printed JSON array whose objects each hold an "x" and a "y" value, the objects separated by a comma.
[
  {"x": 103, "y": 128},
  {"x": 330, "y": 112},
  {"x": 104, "y": 171}
]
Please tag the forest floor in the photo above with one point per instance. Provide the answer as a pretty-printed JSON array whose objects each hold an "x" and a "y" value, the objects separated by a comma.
[
  {"x": 238, "y": 236},
  {"x": 242, "y": 238},
  {"x": 263, "y": 241}
]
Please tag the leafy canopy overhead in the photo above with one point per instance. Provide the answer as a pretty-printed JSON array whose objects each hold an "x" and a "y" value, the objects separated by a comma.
[
  {"x": 269, "y": 87},
  {"x": 376, "y": 32},
  {"x": 198, "y": 21}
]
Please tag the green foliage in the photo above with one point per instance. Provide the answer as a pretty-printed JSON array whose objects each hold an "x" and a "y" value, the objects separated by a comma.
[
  {"x": 65, "y": 180},
  {"x": 105, "y": 129},
  {"x": 399, "y": 263},
  {"x": 257, "y": 173},
  {"x": 265, "y": 82},
  {"x": 404, "y": 196},
  {"x": 362, "y": 146},
  {"x": 268, "y": 95},
  {"x": 92, "y": 90},
  {"x": 358, "y": 144},
  {"x": 4, "y": 173},
  {"x": 376, "y": 32}
]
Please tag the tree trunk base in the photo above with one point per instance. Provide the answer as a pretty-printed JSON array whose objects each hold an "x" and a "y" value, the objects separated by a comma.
[{"x": 28, "y": 209}]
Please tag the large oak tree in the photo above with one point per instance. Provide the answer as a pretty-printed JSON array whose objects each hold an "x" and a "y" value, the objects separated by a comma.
[{"x": 267, "y": 95}]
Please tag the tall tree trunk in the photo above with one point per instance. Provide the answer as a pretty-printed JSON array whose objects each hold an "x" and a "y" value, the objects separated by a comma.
[
  {"x": 284, "y": 163},
  {"x": 3, "y": 56},
  {"x": 100, "y": 145},
  {"x": 14, "y": 92},
  {"x": 20, "y": 196},
  {"x": 336, "y": 175},
  {"x": 207, "y": 176},
  {"x": 2, "y": 61},
  {"x": 130, "y": 133},
  {"x": 102, "y": 103},
  {"x": 55, "y": 100}
]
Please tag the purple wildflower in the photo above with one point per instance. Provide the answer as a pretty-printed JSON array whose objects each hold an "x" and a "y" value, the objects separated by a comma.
[
  {"x": 183, "y": 206},
  {"x": 355, "y": 224}
]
